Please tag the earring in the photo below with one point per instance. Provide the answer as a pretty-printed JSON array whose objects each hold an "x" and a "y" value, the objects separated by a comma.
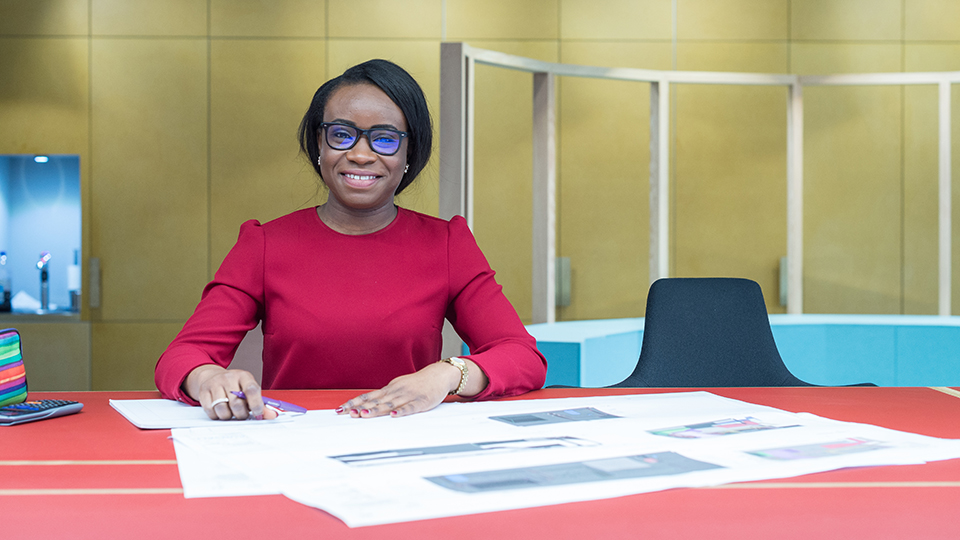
[
  {"x": 407, "y": 168},
  {"x": 318, "y": 159}
]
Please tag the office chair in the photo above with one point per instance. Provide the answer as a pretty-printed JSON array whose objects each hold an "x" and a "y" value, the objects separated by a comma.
[{"x": 703, "y": 332}]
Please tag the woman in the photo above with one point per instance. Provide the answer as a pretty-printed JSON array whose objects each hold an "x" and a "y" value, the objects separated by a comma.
[{"x": 353, "y": 293}]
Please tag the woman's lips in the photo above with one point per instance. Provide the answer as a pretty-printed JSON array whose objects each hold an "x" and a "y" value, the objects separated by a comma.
[{"x": 359, "y": 180}]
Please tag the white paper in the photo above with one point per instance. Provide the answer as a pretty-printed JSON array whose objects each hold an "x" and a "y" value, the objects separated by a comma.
[
  {"x": 167, "y": 414},
  {"x": 458, "y": 459},
  {"x": 203, "y": 477}
]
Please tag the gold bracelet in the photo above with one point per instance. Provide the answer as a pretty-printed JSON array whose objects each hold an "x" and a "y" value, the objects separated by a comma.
[{"x": 464, "y": 372}]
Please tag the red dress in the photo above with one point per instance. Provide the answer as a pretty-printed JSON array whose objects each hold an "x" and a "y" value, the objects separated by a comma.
[{"x": 342, "y": 311}]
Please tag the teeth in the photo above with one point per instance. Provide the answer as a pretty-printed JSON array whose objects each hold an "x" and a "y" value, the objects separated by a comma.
[{"x": 358, "y": 177}]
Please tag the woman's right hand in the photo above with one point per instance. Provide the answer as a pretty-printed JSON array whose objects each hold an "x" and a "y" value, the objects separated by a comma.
[{"x": 213, "y": 385}]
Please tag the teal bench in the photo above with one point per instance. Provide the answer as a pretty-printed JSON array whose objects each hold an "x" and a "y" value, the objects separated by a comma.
[{"x": 888, "y": 350}]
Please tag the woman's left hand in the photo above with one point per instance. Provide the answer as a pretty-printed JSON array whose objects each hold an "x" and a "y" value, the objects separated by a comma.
[{"x": 413, "y": 393}]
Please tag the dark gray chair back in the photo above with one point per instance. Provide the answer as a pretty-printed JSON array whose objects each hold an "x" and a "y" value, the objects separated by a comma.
[{"x": 708, "y": 332}]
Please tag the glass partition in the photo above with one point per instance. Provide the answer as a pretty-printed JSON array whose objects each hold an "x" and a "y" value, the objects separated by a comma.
[{"x": 40, "y": 224}]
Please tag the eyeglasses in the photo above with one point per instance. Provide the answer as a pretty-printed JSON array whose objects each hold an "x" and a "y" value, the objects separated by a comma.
[{"x": 383, "y": 141}]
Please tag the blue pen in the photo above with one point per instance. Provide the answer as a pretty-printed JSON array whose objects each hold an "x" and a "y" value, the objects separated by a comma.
[{"x": 276, "y": 404}]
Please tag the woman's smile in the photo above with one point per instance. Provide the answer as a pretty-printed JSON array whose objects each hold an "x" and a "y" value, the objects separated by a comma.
[{"x": 360, "y": 180}]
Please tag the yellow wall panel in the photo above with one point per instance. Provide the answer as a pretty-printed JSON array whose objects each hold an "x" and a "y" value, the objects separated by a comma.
[
  {"x": 125, "y": 354},
  {"x": 268, "y": 18},
  {"x": 616, "y": 19},
  {"x": 503, "y": 169},
  {"x": 921, "y": 148},
  {"x": 729, "y": 186},
  {"x": 732, "y": 19},
  {"x": 827, "y": 58},
  {"x": 846, "y": 19},
  {"x": 422, "y": 60},
  {"x": 955, "y": 235},
  {"x": 149, "y": 185},
  {"x": 737, "y": 57},
  {"x": 44, "y": 98},
  {"x": 616, "y": 54},
  {"x": 385, "y": 19},
  {"x": 932, "y": 57},
  {"x": 932, "y": 20},
  {"x": 149, "y": 17},
  {"x": 852, "y": 200},
  {"x": 852, "y": 183},
  {"x": 920, "y": 224},
  {"x": 56, "y": 354},
  {"x": 43, "y": 17},
  {"x": 259, "y": 93},
  {"x": 502, "y": 19},
  {"x": 603, "y": 196}
]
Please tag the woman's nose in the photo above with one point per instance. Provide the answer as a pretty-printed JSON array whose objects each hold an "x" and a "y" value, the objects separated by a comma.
[{"x": 361, "y": 152}]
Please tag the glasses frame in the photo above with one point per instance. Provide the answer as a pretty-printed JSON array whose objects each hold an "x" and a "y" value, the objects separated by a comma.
[{"x": 324, "y": 128}]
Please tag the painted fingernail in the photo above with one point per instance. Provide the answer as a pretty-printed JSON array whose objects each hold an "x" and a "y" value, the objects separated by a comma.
[
  {"x": 354, "y": 411},
  {"x": 258, "y": 417},
  {"x": 338, "y": 410},
  {"x": 393, "y": 413},
  {"x": 365, "y": 411}
]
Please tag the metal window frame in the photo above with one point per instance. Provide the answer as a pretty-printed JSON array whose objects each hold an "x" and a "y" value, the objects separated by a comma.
[{"x": 457, "y": 63}]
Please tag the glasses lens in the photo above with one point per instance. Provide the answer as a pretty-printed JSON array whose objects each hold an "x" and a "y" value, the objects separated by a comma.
[
  {"x": 340, "y": 136},
  {"x": 385, "y": 141}
]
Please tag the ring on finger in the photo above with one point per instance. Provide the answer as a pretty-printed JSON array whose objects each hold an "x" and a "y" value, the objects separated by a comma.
[{"x": 219, "y": 401}]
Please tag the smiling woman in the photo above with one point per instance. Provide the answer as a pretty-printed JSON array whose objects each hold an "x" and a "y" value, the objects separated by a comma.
[
  {"x": 353, "y": 293},
  {"x": 362, "y": 179}
]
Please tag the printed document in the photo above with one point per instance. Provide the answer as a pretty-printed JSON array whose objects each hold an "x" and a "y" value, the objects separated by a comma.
[{"x": 464, "y": 458}]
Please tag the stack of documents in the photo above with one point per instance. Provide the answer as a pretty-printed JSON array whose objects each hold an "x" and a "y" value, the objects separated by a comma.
[{"x": 464, "y": 458}]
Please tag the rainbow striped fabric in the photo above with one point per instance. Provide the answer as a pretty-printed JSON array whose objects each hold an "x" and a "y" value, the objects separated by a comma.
[{"x": 13, "y": 378}]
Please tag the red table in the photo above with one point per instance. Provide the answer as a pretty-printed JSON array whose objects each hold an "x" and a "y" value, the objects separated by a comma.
[{"x": 94, "y": 475}]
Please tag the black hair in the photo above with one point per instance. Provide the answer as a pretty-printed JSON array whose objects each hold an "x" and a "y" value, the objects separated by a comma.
[{"x": 399, "y": 87}]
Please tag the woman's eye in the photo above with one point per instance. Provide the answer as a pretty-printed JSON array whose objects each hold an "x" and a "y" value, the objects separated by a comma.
[{"x": 385, "y": 138}]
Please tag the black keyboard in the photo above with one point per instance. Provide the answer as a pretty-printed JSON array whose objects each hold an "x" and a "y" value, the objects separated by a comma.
[{"x": 29, "y": 411}]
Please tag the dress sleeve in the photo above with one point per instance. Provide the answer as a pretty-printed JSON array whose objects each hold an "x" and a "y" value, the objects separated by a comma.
[
  {"x": 487, "y": 322},
  {"x": 231, "y": 305}
]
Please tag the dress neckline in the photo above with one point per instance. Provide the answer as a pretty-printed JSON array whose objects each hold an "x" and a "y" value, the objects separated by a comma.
[{"x": 396, "y": 218}]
